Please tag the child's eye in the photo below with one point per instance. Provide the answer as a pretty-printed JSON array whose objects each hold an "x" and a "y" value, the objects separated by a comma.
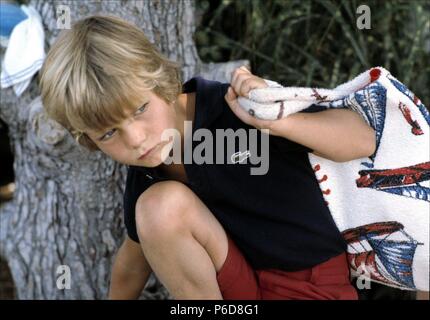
[
  {"x": 141, "y": 109},
  {"x": 107, "y": 135}
]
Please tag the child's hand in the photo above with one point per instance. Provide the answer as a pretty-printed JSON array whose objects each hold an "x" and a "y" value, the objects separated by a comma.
[{"x": 242, "y": 81}]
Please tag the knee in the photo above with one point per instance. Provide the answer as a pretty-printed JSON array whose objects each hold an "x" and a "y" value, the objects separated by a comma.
[{"x": 162, "y": 209}]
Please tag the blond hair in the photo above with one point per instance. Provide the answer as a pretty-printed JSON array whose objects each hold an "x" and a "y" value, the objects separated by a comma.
[{"x": 97, "y": 70}]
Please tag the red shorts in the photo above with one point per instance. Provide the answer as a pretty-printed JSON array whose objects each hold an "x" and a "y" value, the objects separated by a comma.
[{"x": 328, "y": 280}]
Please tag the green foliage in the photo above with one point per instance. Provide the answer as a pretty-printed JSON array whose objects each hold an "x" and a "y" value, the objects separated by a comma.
[{"x": 317, "y": 43}]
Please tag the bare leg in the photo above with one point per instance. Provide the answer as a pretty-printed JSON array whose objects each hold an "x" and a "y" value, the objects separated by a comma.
[{"x": 182, "y": 240}]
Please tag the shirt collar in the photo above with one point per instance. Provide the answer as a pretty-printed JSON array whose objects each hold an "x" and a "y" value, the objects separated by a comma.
[{"x": 209, "y": 100}]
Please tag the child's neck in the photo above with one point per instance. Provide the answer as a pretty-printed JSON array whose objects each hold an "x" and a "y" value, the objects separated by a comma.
[{"x": 185, "y": 110}]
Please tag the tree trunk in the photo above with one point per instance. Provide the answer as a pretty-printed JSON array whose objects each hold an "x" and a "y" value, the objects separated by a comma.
[{"x": 67, "y": 208}]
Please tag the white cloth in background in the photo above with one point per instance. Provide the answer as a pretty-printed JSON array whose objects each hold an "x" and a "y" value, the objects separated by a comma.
[{"x": 25, "y": 52}]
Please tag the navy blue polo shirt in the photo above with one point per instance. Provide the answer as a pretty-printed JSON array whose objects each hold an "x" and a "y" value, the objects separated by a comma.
[{"x": 278, "y": 220}]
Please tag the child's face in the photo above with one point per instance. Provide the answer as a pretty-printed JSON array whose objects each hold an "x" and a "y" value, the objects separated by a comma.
[{"x": 139, "y": 133}]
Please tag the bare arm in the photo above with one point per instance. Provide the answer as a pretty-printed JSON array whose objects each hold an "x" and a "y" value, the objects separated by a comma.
[
  {"x": 338, "y": 134},
  {"x": 423, "y": 295},
  {"x": 130, "y": 272}
]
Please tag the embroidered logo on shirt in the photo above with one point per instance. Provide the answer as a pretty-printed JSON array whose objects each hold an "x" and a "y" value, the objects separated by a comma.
[{"x": 239, "y": 157}]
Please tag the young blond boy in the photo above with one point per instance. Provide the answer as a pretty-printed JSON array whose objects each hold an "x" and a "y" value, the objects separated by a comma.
[{"x": 235, "y": 237}]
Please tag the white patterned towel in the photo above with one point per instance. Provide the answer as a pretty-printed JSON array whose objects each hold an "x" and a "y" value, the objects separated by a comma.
[{"x": 381, "y": 203}]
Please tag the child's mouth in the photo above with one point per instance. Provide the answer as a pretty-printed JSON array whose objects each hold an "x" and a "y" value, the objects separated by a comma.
[{"x": 146, "y": 154}]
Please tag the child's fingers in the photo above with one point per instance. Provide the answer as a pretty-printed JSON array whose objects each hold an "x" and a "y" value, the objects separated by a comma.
[
  {"x": 230, "y": 95},
  {"x": 237, "y": 77},
  {"x": 243, "y": 81},
  {"x": 245, "y": 69},
  {"x": 242, "y": 114},
  {"x": 231, "y": 99},
  {"x": 238, "y": 71},
  {"x": 250, "y": 83}
]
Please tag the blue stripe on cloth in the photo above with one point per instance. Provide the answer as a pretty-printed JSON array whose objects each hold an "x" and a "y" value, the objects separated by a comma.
[{"x": 9, "y": 80}]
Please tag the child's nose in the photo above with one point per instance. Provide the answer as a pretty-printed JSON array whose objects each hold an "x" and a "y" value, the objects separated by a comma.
[{"x": 135, "y": 138}]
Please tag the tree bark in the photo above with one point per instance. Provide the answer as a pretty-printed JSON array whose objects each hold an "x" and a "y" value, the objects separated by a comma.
[{"x": 67, "y": 208}]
